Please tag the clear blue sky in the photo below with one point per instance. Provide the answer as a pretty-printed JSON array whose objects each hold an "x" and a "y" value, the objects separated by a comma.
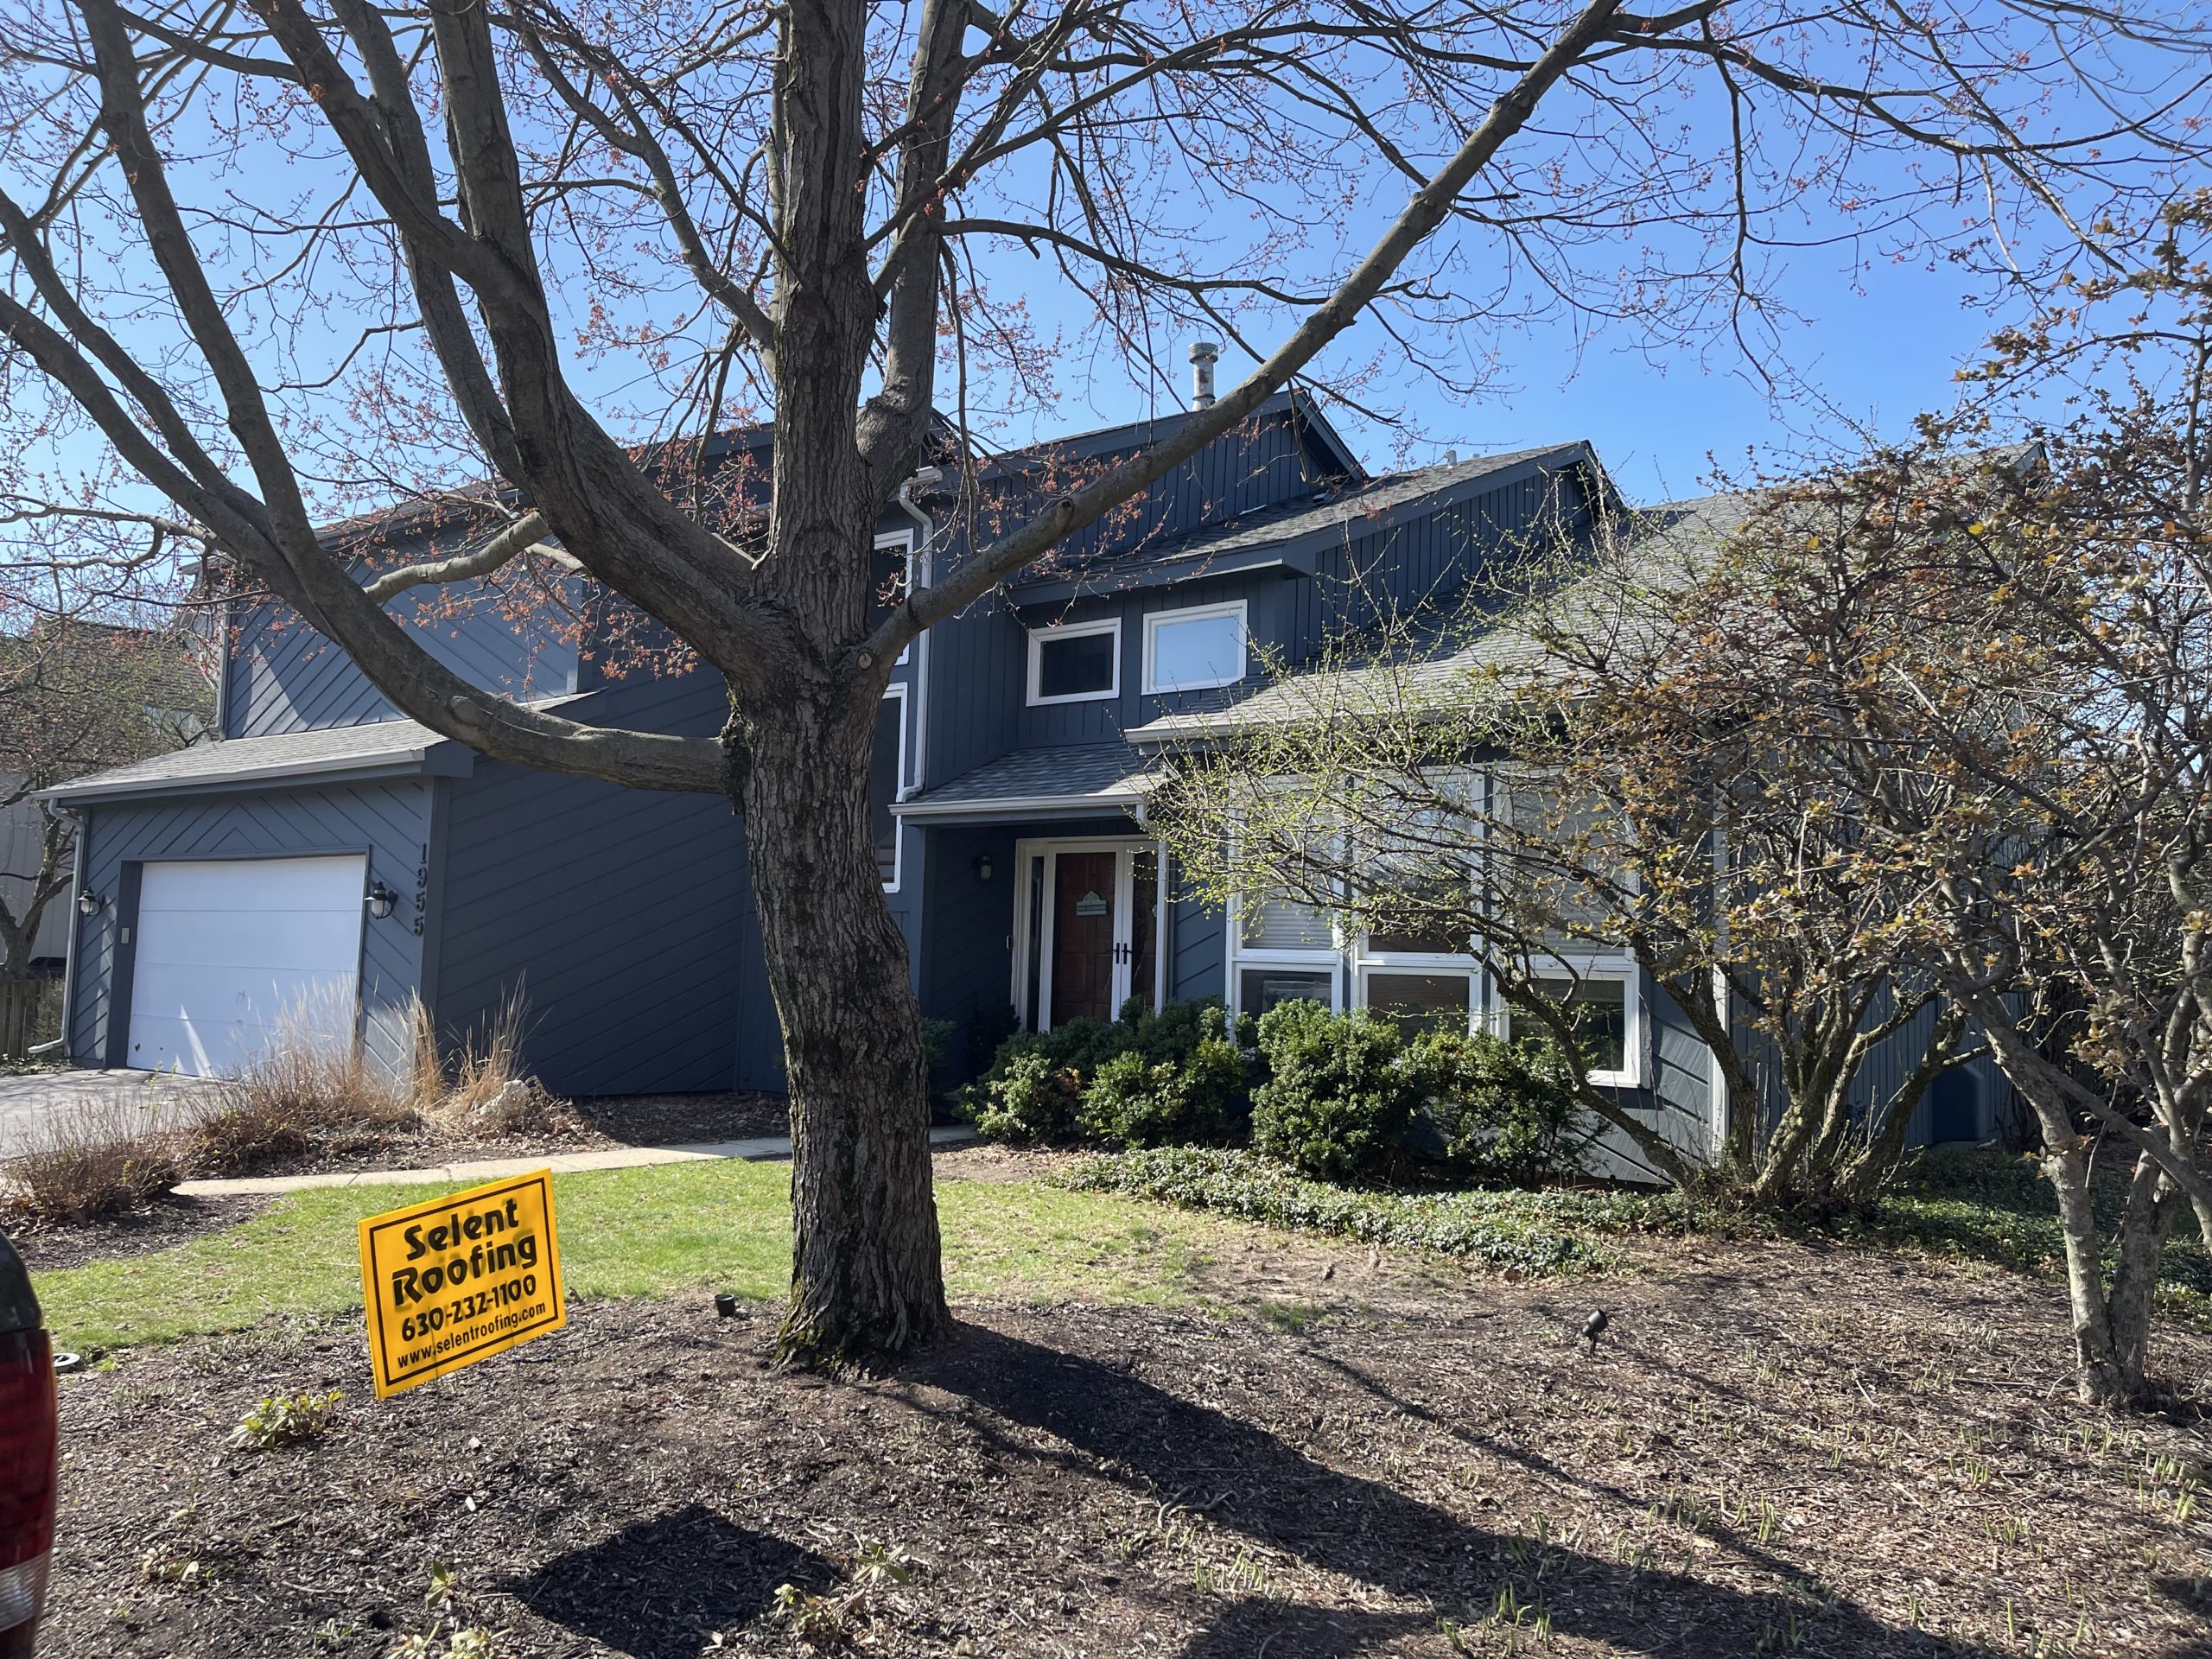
[{"x": 1880, "y": 348}]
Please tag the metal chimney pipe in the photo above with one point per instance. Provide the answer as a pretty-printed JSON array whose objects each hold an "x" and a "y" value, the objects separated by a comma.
[{"x": 1203, "y": 355}]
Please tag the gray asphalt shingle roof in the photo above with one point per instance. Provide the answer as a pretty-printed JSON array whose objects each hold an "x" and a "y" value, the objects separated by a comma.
[
  {"x": 1108, "y": 776},
  {"x": 1336, "y": 514},
  {"x": 288, "y": 754},
  {"x": 1673, "y": 536}
]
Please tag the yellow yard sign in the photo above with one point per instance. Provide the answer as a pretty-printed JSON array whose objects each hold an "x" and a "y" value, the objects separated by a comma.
[{"x": 459, "y": 1279}]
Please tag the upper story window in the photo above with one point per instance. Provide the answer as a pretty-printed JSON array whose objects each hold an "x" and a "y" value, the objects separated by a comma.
[
  {"x": 1191, "y": 649},
  {"x": 886, "y": 772},
  {"x": 1076, "y": 662}
]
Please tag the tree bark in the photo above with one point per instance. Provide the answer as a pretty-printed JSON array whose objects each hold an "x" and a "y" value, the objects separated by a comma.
[{"x": 865, "y": 1276}]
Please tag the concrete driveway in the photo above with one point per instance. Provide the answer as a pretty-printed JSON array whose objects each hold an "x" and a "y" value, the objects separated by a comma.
[{"x": 32, "y": 1098}]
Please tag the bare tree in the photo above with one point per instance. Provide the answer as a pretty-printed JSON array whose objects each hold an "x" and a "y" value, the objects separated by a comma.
[
  {"x": 265, "y": 261},
  {"x": 76, "y": 695}
]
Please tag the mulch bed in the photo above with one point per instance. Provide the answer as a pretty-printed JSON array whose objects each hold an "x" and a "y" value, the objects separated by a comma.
[
  {"x": 1776, "y": 1450},
  {"x": 170, "y": 1219},
  {"x": 572, "y": 1126}
]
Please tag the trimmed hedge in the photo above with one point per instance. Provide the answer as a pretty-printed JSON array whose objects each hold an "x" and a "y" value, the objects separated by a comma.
[{"x": 1555, "y": 1231}]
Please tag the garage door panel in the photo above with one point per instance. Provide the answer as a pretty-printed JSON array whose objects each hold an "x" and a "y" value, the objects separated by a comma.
[
  {"x": 265, "y": 884},
  {"x": 233, "y": 954},
  {"x": 306, "y": 942}
]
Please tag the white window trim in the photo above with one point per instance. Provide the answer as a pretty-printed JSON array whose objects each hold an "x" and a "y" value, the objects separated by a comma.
[
  {"x": 1039, "y": 638},
  {"x": 1367, "y": 967},
  {"x": 899, "y": 824},
  {"x": 1157, "y": 620},
  {"x": 1616, "y": 970},
  {"x": 903, "y": 539},
  {"x": 1239, "y": 956}
]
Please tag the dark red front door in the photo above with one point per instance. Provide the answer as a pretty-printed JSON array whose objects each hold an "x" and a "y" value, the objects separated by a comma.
[{"x": 1083, "y": 937}]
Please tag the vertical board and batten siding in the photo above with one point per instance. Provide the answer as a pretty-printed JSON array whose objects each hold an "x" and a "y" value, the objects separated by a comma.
[
  {"x": 391, "y": 822},
  {"x": 966, "y": 962},
  {"x": 1422, "y": 567},
  {"x": 984, "y": 651},
  {"x": 281, "y": 676},
  {"x": 1197, "y": 950},
  {"x": 624, "y": 916},
  {"x": 1882, "y": 1072}
]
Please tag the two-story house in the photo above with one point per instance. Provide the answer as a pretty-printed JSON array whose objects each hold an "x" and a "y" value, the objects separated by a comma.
[{"x": 328, "y": 858}]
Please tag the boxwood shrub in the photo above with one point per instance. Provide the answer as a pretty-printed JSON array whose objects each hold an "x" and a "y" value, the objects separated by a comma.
[{"x": 1143, "y": 1079}]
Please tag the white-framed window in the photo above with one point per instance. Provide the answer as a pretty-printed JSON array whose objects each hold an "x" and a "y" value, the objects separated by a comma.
[
  {"x": 1443, "y": 995},
  {"x": 892, "y": 575},
  {"x": 886, "y": 777},
  {"x": 1282, "y": 952},
  {"x": 1075, "y": 661},
  {"x": 1604, "y": 1006},
  {"x": 1194, "y": 649}
]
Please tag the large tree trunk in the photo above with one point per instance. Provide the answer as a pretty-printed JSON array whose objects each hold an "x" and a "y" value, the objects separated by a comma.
[{"x": 865, "y": 1277}]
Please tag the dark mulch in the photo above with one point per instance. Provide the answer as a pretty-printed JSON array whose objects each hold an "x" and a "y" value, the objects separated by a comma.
[
  {"x": 673, "y": 1120},
  {"x": 569, "y": 1126},
  {"x": 170, "y": 1220},
  {"x": 1778, "y": 1451}
]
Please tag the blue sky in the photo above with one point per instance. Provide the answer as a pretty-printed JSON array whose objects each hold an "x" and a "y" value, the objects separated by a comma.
[{"x": 1880, "y": 344}]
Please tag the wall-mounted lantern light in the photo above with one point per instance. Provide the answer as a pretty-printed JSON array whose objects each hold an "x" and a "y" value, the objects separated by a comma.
[
  {"x": 88, "y": 903},
  {"x": 982, "y": 866},
  {"x": 381, "y": 900}
]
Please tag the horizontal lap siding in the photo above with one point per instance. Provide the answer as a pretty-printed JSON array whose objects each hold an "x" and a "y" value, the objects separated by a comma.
[
  {"x": 624, "y": 915},
  {"x": 390, "y": 821}
]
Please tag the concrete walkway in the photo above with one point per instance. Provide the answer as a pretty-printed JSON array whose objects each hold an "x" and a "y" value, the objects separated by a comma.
[
  {"x": 561, "y": 1163},
  {"x": 29, "y": 1099}
]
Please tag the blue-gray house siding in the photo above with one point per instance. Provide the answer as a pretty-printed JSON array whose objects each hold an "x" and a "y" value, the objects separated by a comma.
[
  {"x": 389, "y": 820},
  {"x": 624, "y": 919}
]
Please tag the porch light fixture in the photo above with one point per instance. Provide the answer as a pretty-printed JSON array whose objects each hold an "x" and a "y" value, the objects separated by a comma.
[
  {"x": 88, "y": 903},
  {"x": 982, "y": 866},
  {"x": 381, "y": 900}
]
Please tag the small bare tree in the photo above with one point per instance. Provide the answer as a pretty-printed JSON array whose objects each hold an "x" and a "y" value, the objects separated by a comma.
[
  {"x": 527, "y": 260},
  {"x": 77, "y": 695}
]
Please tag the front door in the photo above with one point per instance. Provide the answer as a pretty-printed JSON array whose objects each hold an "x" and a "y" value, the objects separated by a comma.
[{"x": 1083, "y": 936}]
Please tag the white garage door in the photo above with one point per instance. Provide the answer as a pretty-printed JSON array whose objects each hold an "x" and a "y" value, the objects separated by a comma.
[{"x": 230, "y": 953}]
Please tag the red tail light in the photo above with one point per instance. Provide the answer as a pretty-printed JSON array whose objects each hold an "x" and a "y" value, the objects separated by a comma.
[{"x": 29, "y": 1442}]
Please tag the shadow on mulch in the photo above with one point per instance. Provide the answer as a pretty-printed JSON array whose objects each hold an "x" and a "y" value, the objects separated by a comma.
[
  {"x": 1283, "y": 1499},
  {"x": 661, "y": 1589}
]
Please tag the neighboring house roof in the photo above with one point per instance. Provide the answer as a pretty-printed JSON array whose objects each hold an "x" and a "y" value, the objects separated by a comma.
[
  {"x": 1291, "y": 535},
  {"x": 384, "y": 747},
  {"x": 1109, "y": 776}
]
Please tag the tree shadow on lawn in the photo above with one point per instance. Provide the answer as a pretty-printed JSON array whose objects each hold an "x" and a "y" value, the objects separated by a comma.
[
  {"x": 1370, "y": 1532},
  {"x": 660, "y": 1589}
]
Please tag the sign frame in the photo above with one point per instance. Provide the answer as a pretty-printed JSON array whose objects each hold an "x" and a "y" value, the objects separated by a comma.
[{"x": 496, "y": 1207}]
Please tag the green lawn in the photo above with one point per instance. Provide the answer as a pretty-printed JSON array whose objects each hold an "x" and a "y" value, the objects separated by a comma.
[{"x": 636, "y": 1232}]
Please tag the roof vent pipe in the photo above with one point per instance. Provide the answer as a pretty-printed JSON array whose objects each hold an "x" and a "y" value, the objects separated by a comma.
[{"x": 1203, "y": 355}]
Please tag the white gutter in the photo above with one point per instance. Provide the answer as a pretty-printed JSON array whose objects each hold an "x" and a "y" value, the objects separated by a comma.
[{"x": 1116, "y": 800}]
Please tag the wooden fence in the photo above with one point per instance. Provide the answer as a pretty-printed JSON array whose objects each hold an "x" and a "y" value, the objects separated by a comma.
[{"x": 30, "y": 1013}]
